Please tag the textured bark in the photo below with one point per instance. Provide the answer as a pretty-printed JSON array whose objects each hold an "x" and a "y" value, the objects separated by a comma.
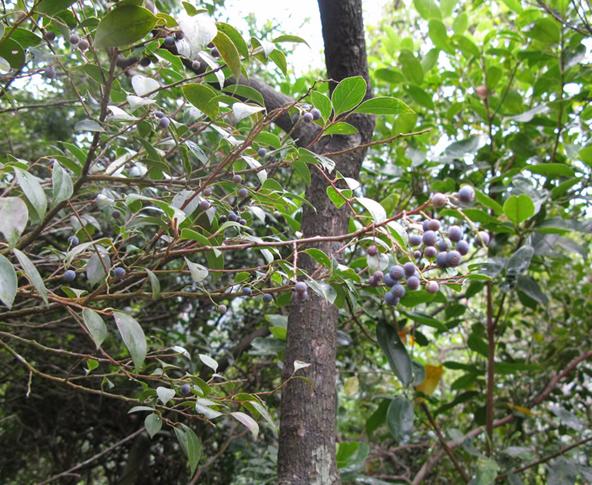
[{"x": 308, "y": 410}]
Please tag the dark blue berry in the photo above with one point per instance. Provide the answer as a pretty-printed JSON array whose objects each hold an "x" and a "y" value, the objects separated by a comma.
[
  {"x": 236, "y": 178},
  {"x": 262, "y": 152},
  {"x": 389, "y": 280},
  {"x": 185, "y": 389},
  {"x": 232, "y": 216},
  {"x": 434, "y": 225},
  {"x": 169, "y": 41},
  {"x": 164, "y": 122},
  {"x": 413, "y": 282},
  {"x": 398, "y": 290},
  {"x": 453, "y": 258},
  {"x": 316, "y": 114},
  {"x": 466, "y": 194},
  {"x": 409, "y": 269},
  {"x": 300, "y": 287},
  {"x": 462, "y": 247},
  {"x": 247, "y": 291},
  {"x": 267, "y": 298},
  {"x": 430, "y": 252},
  {"x": 396, "y": 272},
  {"x": 442, "y": 245},
  {"x": 73, "y": 241},
  {"x": 442, "y": 259},
  {"x": 307, "y": 117},
  {"x": 195, "y": 65},
  {"x": 482, "y": 238},
  {"x": 204, "y": 205},
  {"x": 119, "y": 272},
  {"x": 243, "y": 193},
  {"x": 429, "y": 238},
  {"x": 69, "y": 276},
  {"x": 415, "y": 239},
  {"x": 455, "y": 233},
  {"x": 390, "y": 298}
]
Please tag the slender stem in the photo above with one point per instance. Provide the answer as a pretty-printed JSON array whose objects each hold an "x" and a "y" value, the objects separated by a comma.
[
  {"x": 490, "y": 368},
  {"x": 442, "y": 440}
]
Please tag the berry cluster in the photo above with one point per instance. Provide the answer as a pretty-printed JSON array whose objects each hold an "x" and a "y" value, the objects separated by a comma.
[{"x": 430, "y": 247}]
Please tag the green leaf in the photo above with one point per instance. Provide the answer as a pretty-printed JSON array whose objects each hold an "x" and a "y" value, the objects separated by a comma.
[
  {"x": 95, "y": 326},
  {"x": 411, "y": 67},
  {"x": 518, "y": 208},
  {"x": 460, "y": 23},
  {"x": 13, "y": 52},
  {"x": 400, "y": 417},
  {"x": 229, "y": 52},
  {"x": 51, "y": 7},
  {"x": 133, "y": 337},
  {"x": 8, "y": 282},
  {"x": 322, "y": 103},
  {"x": 487, "y": 201},
  {"x": 279, "y": 59},
  {"x": 319, "y": 256},
  {"x": 428, "y": 9},
  {"x": 351, "y": 453},
  {"x": 348, "y": 94},
  {"x": 61, "y": 184},
  {"x": 32, "y": 274},
  {"x": 290, "y": 38},
  {"x": 191, "y": 446},
  {"x": 124, "y": 25},
  {"x": 487, "y": 470},
  {"x": 378, "y": 417},
  {"x": 33, "y": 191},
  {"x": 438, "y": 34},
  {"x": 202, "y": 97},
  {"x": 395, "y": 351},
  {"x": 153, "y": 424},
  {"x": 383, "y": 105},
  {"x": 13, "y": 218},
  {"x": 340, "y": 128},
  {"x": 154, "y": 284},
  {"x": 374, "y": 208},
  {"x": 545, "y": 30},
  {"x": 245, "y": 92},
  {"x": 248, "y": 422},
  {"x": 236, "y": 37},
  {"x": 552, "y": 170}
]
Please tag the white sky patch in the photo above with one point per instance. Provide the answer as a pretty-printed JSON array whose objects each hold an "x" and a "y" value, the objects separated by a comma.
[{"x": 298, "y": 18}]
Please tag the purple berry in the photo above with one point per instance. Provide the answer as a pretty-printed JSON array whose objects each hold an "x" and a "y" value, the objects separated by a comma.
[
  {"x": 453, "y": 258},
  {"x": 204, "y": 205},
  {"x": 396, "y": 272},
  {"x": 442, "y": 259},
  {"x": 455, "y": 233},
  {"x": 243, "y": 193},
  {"x": 307, "y": 117},
  {"x": 222, "y": 308},
  {"x": 116, "y": 214},
  {"x": 413, "y": 282},
  {"x": 169, "y": 41},
  {"x": 430, "y": 252},
  {"x": 214, "y": 52},
  {"x": 434, "y": 225},
  {"x": 429, "y": 238},
  {"x": 261, "y": 152},
  {"x": 316, "y": 114},
  {"x": 372, "y": 250},
  {"x": 398, "y": 290},
  {"x": 415, "y": 239},
  {"x": 417, "y": 254},
  {"x": 388, "y": 280},
  {"x": 164, "y": 122},
  {"x": 442, "y": 245},
  {"x": 195, "y": 65},
  {"x": 300, "y": 297},
  {"x": 483, "y": 238},
  {"x": 300, "y": 287},
  {"x": 208, "y": 191},
  {"x": 69, "y": 276},
  {"x": 432, "y": 287},
  {"x": 409, "y": 269},
  {"x": 236, "y": 178},
  {"x": 247, "y": 291},
  {"x": 185, "y": 389},
  {"x": 74, "y": 39},
  {"x": 50, "y": 72},
  {"x": 49, "y": 36},
  {"x": 83, "y": 44},
  {"x": 242, "y": 222},
  {"x": 73, "y": 241},
  {"x": 119, "y": 272},
  {"x": 426, "y": 225},
  {"x": 439, "y": 200},
  {"x": 379, "y": 275},
  {"x": 390, "y": 298},
  {"x": 267, "y": 298},
  {"x": 159, "y": 114},
  {"x": 179, "y": 35},
  {"x": 233, "y": 217},
  {"x": 466, "y": 194},
  {"x": 462, "y": 247}
]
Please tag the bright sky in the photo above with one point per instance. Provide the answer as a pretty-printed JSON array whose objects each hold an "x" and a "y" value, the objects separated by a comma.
[{"x": 299, "y": 17}]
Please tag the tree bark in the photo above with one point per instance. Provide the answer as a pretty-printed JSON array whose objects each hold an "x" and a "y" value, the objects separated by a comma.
[{"x": 308, "y": 409}]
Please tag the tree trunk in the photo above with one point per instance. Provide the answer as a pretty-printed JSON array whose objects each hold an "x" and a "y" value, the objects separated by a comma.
[{"x": 308, "y": 409}]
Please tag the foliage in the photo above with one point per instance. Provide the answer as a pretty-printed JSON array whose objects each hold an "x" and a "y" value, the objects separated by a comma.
[{"x": 151, "y": 216}]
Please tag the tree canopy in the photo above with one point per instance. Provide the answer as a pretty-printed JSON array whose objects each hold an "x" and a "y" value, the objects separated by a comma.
[{"x": 203, "y": 255}]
